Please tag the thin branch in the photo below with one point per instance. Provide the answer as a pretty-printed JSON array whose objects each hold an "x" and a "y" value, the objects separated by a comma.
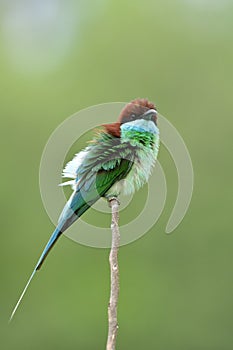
[{"x": 113, "y": 260}]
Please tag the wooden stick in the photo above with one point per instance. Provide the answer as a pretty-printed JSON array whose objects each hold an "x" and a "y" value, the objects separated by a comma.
[{"x": 113, "y": 260}]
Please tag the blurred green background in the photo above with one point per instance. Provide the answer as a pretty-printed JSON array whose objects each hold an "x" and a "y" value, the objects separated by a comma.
[{"x": 58, "y": 57}]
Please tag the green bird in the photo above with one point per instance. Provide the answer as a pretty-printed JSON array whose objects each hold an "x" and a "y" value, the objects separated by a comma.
[{"x": 119, "y": 160}]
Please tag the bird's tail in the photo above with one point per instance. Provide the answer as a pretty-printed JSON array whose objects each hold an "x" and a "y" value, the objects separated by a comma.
[{"x": 56, "y": 234}]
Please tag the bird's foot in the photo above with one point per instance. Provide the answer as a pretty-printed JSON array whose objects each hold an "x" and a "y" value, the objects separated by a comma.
[{"x": 111, "y": 198}]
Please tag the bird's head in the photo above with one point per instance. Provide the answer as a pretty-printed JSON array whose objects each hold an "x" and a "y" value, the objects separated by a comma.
[
  {"x": 136, "y": 110},
  {"x": 140, "y": 108}
]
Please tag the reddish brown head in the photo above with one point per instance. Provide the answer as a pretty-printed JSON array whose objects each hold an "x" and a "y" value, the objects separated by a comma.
[{"x": 136, "y": 109}]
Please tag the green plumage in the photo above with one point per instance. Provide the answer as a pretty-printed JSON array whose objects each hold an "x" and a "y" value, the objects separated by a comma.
[{"x": 110, "y": 166}]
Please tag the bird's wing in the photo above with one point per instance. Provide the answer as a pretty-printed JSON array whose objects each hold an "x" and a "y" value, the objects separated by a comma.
[
  {"x": 92, "y": 153},
  {"x": 104, "y": 165}
]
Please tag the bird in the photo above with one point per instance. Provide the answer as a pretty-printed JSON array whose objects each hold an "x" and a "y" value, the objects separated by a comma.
[{"x": 118, "y": 160}]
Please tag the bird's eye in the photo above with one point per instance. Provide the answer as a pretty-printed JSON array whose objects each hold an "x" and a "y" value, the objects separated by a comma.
[{"x": 132, "y": 116}]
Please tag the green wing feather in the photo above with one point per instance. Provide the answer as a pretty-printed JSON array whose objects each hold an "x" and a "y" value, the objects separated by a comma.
[{"x": 107, "y": 162}]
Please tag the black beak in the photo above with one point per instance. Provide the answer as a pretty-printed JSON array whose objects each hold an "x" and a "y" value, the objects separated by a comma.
[{"x": 151, "y": 114}]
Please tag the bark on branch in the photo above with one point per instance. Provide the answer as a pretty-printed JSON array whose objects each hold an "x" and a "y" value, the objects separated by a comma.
[{"x": 113, "y": 260}]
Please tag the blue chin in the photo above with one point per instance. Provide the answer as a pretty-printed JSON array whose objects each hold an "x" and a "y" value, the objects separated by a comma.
[{"x": 140, "y": 125}]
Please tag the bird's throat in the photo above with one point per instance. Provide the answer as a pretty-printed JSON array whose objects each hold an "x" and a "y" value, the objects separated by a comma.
[{"x": 139, "y": 132}]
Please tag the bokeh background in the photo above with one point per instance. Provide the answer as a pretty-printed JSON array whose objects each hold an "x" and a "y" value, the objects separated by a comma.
[{"x": 58, "y": 57}]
